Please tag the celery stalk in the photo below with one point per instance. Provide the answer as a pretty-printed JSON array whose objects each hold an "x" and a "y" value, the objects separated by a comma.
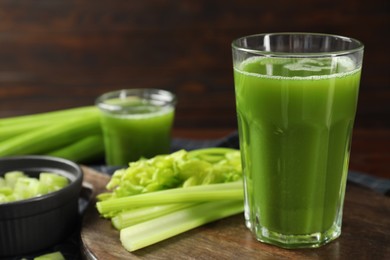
[
  {"x": 194, "y": 194},
  {"x": 13, "y": 126},
  {"x": 150, "y": 232},
  {"x": 87, "y": 149},
  {"x": 51, "y": 137},
  {"x": 135, "y": 216},
  {"x": 48, "y": 116},
  {"x": 13, "y": 130}
]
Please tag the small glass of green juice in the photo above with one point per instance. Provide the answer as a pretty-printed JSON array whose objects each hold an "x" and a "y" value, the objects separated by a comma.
[
  {"x": 296, "y": 97},
  {"x": 136, "y": 123}
]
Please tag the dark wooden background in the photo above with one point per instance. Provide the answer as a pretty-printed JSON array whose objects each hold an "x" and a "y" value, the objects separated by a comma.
[{"x": 57, "y": 54}]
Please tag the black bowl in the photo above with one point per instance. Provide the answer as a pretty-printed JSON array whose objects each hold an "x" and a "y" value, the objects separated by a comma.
[{"x": 34, "y": 224}]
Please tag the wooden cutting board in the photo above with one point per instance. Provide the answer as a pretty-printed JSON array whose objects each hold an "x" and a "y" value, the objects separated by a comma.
[
  {"x": 364, "y": 234},
  {"x": 101, "y": 241}
]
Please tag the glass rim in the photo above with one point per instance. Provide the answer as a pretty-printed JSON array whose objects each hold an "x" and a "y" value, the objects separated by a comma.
[
  {"x": 124, "y": 93},
  {"x": 360, "y": 46}
]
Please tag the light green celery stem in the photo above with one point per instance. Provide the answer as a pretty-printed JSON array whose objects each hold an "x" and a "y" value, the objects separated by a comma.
[
  {"x": 49, "y": 138},
  {"x": 85, "y": 150},
  {"x": 135, "y": 216},
  {"x": 153, "y": 231},
  {"x": 47, "y": 116},
  {"x": 193, "y": 194},
  {"x": 14, "y": 130},
  {"x": 13, "y": 126}
]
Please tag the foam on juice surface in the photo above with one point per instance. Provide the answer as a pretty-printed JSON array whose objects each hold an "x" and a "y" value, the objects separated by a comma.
[
  {"x": 309, "y": 65},
  {"x": 298, "y": 68},
  {"x": 137, "y": 108}
]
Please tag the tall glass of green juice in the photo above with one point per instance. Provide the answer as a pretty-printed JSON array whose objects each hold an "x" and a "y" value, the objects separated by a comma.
[
  {"x": 296, "y": 97},
  {"x": 136, "y": 123}
]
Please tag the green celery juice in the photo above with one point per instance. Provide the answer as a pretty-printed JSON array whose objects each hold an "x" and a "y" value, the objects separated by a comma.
[
  {"x": 141, "y": 129},
  {"x": 295, "y": 121}
]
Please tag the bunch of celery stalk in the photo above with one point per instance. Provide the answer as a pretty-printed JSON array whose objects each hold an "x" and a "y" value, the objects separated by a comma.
[
  {"x": 73, "y": 134},
  {"x": 158, "y": 198}
]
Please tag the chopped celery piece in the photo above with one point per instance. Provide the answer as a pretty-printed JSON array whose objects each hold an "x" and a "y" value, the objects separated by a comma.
[
  {"x": 150, "y": 232},
  {"x": 12, "y": 177},
  {"x": 179, "y": 169},
  {"x": 5, "y": 190},
  {"x": 51, "y": 256},
  {"x": 2, "y": 182},
  {"x": 27, "y": 188},
  {"x": 3, "y": 198},
  {"x": 16, "y": 185},
  {"x": 52, "y": 181}
]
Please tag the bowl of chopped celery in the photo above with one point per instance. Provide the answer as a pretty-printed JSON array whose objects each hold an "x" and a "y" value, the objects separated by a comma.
[{"x": 38, "y": 202}]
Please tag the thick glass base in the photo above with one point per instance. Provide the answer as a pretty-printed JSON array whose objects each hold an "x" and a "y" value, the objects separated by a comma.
[{"x": 297, "y": 241}]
